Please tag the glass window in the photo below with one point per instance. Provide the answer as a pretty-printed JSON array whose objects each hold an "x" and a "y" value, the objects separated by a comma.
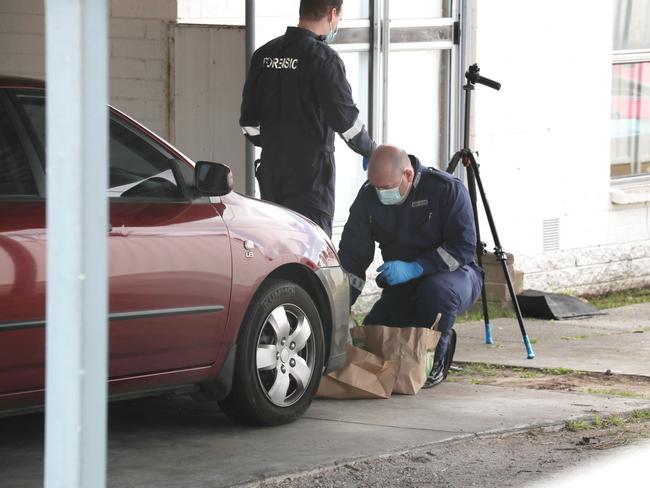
[
  {"x": 356, "y": 9},
  {"x": 349, "y": 170},
  {"x": 630, "y": 130},
  {"x": 137, "y": 168},
  {"x": 417, "y": 9},
  {"x": 420, "y": 79},
  {"x": 33, "y": 104},
  {"x": 15, "y": 174},
  {"x": 630, "y": 105}
]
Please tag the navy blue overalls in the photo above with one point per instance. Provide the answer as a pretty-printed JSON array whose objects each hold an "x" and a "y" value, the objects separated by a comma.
[
  {"x": 434, "y": 227},
  {"x": 295, "y": 97}
]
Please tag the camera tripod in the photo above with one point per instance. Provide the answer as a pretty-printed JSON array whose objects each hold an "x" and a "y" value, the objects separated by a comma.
[{"x": 473, "y": 180}]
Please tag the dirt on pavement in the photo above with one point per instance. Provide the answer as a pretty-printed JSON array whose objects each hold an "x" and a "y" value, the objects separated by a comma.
[
  {"x": 559, "y": 379},
  {"x": 489, "y": 462},
  {"x": 500, "y": 460}
]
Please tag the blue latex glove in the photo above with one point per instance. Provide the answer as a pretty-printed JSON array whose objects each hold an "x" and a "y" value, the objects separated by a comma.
[
  {"x": 396, "y": 272},
  {"x": 366, "y": 160}
]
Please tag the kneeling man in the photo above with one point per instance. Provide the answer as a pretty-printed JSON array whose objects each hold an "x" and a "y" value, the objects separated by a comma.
[{"x": 422, "y": 219}]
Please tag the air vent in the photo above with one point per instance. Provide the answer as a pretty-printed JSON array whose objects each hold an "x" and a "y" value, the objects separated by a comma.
[{"x": 551, "y": 234}]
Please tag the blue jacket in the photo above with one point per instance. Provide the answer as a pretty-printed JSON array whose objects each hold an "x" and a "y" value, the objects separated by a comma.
[{"x": 434, "y": 226}]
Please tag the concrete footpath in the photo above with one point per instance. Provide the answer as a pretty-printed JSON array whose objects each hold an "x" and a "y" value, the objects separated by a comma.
[
  {"x": 173, "y": 442},
  {"x": 618, "y": 341}
]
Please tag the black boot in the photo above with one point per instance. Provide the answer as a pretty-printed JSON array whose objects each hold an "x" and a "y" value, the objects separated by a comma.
[{"x": 441, "y": 368}]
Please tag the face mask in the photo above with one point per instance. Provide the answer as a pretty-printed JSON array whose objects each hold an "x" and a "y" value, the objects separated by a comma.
[
  {"x": 331, "y": 35},
  {"x": 391, "y": 196}
]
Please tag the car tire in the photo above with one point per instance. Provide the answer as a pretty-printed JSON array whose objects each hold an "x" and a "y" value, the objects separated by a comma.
[{"x": 280, "y": 357}]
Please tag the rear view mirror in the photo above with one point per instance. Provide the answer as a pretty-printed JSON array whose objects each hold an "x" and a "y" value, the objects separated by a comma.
[{"x": 213, "y": 179}]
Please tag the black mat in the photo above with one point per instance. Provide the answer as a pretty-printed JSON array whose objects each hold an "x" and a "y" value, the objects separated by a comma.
[{"x": 551, "y": 306}]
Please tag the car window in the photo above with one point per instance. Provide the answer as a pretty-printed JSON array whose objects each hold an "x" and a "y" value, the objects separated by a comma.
[
  {"x": 16, "y": 177},
  {"x": 33, "y": 103},
  {"x": 138, "y": 167}
]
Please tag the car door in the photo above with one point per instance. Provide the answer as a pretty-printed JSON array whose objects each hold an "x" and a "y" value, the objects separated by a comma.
[
  {"x": 169, "y": 261},
  {"x": 170, "y": 265},
  {"x": 22, "y": 257}
]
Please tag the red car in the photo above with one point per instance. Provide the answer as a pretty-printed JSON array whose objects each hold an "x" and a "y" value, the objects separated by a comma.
[{"x": 209, "y": 290}]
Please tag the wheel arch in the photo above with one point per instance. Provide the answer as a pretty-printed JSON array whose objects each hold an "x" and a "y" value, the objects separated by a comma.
[{"x": 302, "y": 276}]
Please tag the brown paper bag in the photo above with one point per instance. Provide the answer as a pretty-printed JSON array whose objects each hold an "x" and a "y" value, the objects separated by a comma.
[
  {"x": 411, "y": 348},
  {"x": 363, "y": 375}
]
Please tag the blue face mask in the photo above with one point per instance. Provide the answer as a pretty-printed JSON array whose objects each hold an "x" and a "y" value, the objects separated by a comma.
[
  {"x": 331, "y": 35},
  {"x": 391, "y": 196}
]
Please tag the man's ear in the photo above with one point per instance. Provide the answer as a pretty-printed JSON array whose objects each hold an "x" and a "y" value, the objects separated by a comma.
[{"x": 411, "y": 174}]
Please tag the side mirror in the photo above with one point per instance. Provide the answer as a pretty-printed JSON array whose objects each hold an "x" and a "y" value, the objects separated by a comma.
[{"x": 213, "y": 179}]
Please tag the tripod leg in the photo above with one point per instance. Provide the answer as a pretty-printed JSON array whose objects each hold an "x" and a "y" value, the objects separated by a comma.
[
  {"x": 480, "y": 250},
  {"x": 498, "y": 252}
]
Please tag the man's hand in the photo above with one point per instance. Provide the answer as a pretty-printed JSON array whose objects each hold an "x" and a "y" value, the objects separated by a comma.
[{"x": 396, "y": 272}]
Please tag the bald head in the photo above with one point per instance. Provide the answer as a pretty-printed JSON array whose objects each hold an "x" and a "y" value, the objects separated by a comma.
[
  {"x": 388, "y": 158},
  {"x": 388, "y": 166}
]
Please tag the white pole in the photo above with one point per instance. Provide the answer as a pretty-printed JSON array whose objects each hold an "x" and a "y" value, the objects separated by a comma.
[{"x": 77, "y": 221}]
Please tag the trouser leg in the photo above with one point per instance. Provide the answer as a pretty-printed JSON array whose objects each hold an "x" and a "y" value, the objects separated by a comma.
[
  {"x": 395, "y": 308},
  {"x": 315, "y": 199},
  {"x": 447, "y": 294}
]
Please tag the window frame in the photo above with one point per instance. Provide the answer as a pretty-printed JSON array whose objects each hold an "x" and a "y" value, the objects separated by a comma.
[
  {"x": 28, "y": 142},
  {"x": 36, "y": 152},
  {"x": 631, "y": 56},
  {"x": 140, "y": 132}
]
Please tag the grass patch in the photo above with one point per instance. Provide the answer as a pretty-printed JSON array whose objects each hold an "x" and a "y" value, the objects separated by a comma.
[
  {"x": 619, "y": 298},
  {"x": 475, "y": 314},
  {"x": 532, "y": 374},
  {"x": 577, "y": 425},
  {"x": 613, "y": 422},
  {"x": 614, "y": 392},
  {"x": 640, "y": 416},
  {"x": 574, "y": 338},
  {"x": 485, "y": 369},
  {"x": 482, "y": 369},
  {"x": 560, "y": 371},
  {"x": 358, "y": 318}
]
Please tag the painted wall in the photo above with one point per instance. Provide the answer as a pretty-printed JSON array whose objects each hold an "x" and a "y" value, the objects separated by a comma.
[
  {"x": 208, "y": 75},
  {"x": 544, "y": 145},
  {"x": 139, "y": 53}
]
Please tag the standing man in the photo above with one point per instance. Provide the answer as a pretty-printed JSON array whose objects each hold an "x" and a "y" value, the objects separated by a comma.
[
  {"x": 295, "y": 97},
  {"x": 422, "y": 219}
]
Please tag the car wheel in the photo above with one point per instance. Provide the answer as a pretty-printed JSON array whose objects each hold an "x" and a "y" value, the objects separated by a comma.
[{"x": 280, "y": 357}]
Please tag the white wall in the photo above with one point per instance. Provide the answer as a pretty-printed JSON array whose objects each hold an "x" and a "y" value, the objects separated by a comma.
[
  {"x": 544, "y": 144},
  {"x": 207, "y": 79},
  {"x": 272, "y": 18},
  {"x": 139, "y": 52}
]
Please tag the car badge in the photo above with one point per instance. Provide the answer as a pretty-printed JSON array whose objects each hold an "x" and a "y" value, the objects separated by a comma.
[{"x": 249, "y": 246}]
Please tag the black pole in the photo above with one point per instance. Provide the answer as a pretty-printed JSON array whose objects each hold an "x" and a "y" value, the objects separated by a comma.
[
  {"x": 462, "y": 155},
  {"x": 500, "y": 255},
  {"x": 471, "y": 186},
  {"x": 474, "y": 178},
  {"x": 250, "y": 49}
]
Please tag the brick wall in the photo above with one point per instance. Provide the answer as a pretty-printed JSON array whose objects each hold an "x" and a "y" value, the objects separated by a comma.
[
  {"x": 590, "y": 270},
  {"x": 139, "y": 61},
  {"x": 139, "y": 51}
]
